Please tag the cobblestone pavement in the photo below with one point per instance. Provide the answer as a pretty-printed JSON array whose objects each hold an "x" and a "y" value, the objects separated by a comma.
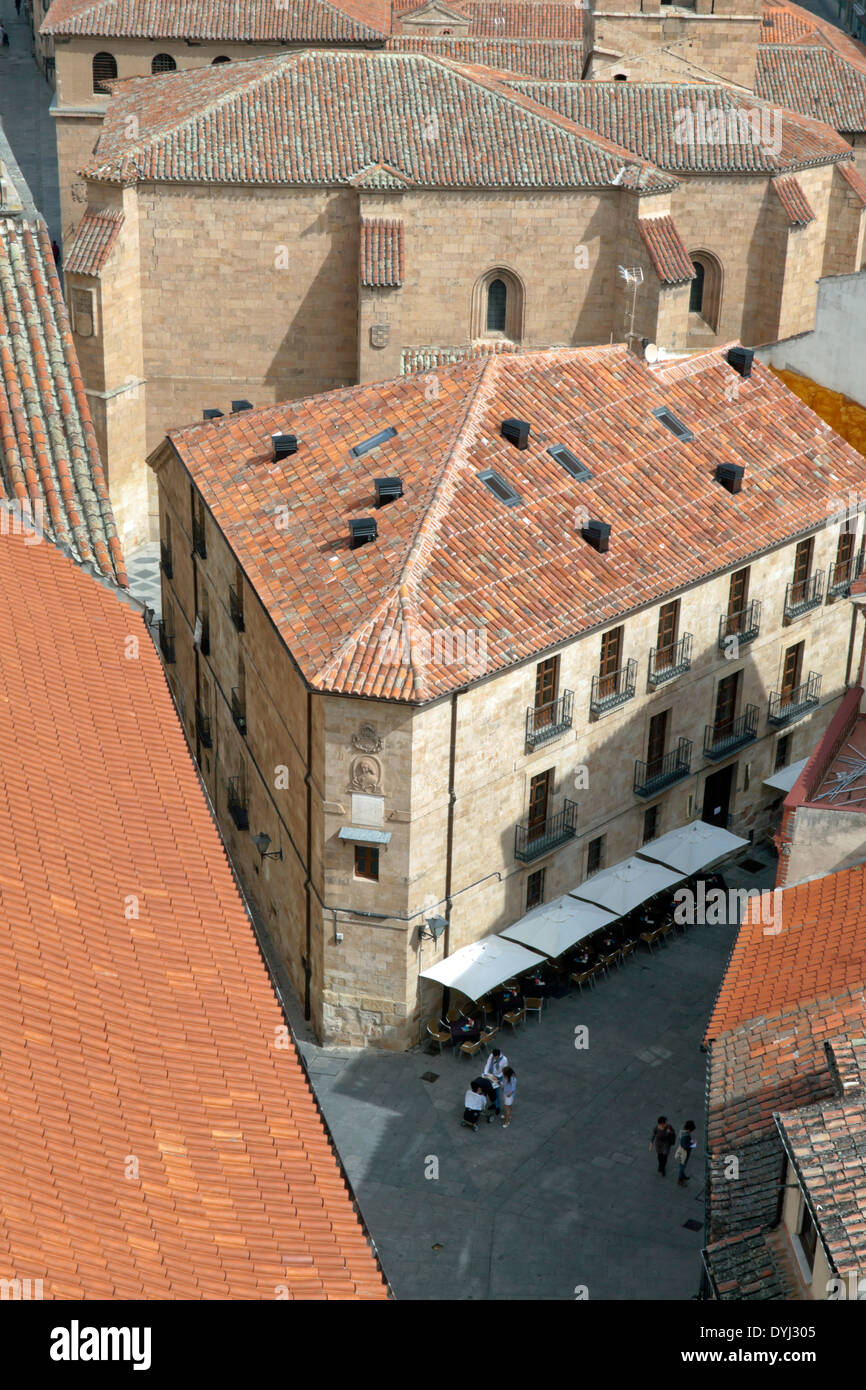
[
  {"x": 25, "y": 98},
  {"x": 569, "y": 1195}
]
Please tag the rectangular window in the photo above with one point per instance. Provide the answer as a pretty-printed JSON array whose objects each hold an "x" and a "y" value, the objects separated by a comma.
[
  {"x": 738, "y": 595},
  {"x": 595, "y": 856},
  {"x": 669, "y": 621},
  {"x": 610, "y": 662},
  {"x": 546, "y": 688},
  {"x": 808, "y": 1236},
  {"x": 367, "y": 862},
  {"x": 650, "y": 824},
  {"x": 792, "y": 668},
  {"x": 670, "y": 421},
  {"x": 802, "y": 570},
  {"x": 727, "y": 697},
  {"x": 539, "y": 799},
  {"x": 782, "y": 753},
  {"x": 845, "y": 548},
  {"x": 535, "y": 890},
  {"x": 656, "y": 743}
]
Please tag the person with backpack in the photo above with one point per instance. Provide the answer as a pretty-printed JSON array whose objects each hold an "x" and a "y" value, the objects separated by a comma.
[
  {"x": 686, "y": 1144},
  {"x": 663, "y": 1140}
]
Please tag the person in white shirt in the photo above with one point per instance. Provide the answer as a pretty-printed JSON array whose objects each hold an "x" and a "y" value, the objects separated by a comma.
[
  {"x": 509, "y": 1087},
  {"x": 473, "y": 1104},
  {"x": 493, "y": 1068}
]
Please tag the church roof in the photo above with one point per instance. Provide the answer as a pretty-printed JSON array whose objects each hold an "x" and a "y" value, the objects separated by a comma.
[
  {"x": 816, "y": 81},
  {"x": 254, "y": 21}
]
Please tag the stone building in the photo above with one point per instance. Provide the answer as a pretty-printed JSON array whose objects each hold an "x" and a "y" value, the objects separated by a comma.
[
  {"x": 438, "y": 209},
  {"x": 494, "y": 696}
]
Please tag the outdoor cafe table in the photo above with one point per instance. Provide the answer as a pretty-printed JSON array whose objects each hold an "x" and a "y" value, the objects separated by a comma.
[{"x": 464, "y": 1030}]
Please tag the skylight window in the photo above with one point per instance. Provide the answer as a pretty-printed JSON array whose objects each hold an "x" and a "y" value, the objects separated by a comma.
[
  {"x": 373, "y": 442},
  {"x": 670, "y": 422},
  {"x": 569, "y": 461},
  {"x": 500, "y": 488}
]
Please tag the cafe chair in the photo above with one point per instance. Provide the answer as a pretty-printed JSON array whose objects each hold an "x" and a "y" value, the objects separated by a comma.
[
  {"x": 438, "y": 1034},
  {"x": 488, "y": 1034},
  {"x": 666, "y": 930},
  {"x": 453, "y": 1016},
  {"x": 471, "y": 1049},
  {"x": 611, "y": 959},
  {"x": 533, "y": 1006},
  {"x": 514, "y": 1017},
  {"x": 628, "y": 950},
  {"x": 583, "y": 977},
  {"x": 651, "y": 939},
  {"x": 487, "y": 1007}
]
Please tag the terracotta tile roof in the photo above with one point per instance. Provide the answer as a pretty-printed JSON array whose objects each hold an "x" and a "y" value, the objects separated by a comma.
[
  {"x": 744, "y": 1267},
  {"x": 816, "y": 81},
  {"x": 510, "y": 19},
  {"x": 140, "y": 1025},
  {"x": 820, "y": 950},
  {"x": 49, "y": 459},
  {"x": 695, "y": 127},
  {"x": 667, "y": 250},
  {"x": 826, "y": 1143},
  {"x": 424, "y": 359},
  {"x": 451, "y": 556},
  {"x": 94, "y": 238},
  {"x": 549, "y": 60},
  {"x": 846, "y": 1058},
  {"x": 254, "y": 21},
  {"x": 851, "y": 174},
  {"x": 794, "y": 202},
  {"x": 381, "y": 252},
  {"x": 249, "y": 123},
  {"x": 784, "y": 25}
]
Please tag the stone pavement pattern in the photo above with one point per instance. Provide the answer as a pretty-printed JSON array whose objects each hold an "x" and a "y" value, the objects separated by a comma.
[
  {"x": 569, "y": 1194},
  {"x": 25, "y": 98}
]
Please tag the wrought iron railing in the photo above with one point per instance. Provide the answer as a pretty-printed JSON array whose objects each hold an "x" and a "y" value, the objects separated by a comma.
[
  {"x": 665, "y": 663},
  {"x": 803, "y": 594},
  {"x": 198, "y": 543},
  {"x": 614, "y": 689},
  {"x": 722, "y": 739},
  {"x": 203, "y": 728},
  {"x": 165, "y": 563},
  {"x": 787, "y": 705},
  {"x": 744, "y": 625},
  {"x": 530, "y": 841},
  {"x": 544, "y": 722},
  {"x": 239, "y": 711},
  {"x": 166, "y": 642},
  {"x": 841, "y": 575},
  {"x": 236, "y": 608},
  {"x": 236, "y": 804},
  {"x": 654, "y": 775}
]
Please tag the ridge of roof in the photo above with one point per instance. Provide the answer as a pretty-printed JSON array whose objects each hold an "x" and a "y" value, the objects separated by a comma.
[{"x": 216, "y": 20}]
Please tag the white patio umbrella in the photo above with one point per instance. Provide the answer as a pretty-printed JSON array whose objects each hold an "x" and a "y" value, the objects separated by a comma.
[
  {"x": 627, "y": 884},
  {"x": 477, "y": 969},
  {"x": 783, "y": 781},
  {"x": 554, "y": 927},
  {"x": 693, "y": 846}
]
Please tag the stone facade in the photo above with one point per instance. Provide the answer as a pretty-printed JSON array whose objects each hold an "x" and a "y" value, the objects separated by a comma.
[{"x": 312, "y": 765}]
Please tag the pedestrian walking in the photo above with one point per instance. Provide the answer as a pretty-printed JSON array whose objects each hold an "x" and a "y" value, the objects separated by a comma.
[
  {"x": 684, "y": 1148},
  {"x": 509, "y": 1087},
  {"x": 4, "y": 37},
  {"x": 663, "y": 1140},
  {"x": 18, "y": 7},
  {"x": 55, "y": 251}
]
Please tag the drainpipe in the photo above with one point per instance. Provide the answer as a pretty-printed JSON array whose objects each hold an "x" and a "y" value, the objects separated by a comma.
[{"x": 449, "y": 840}]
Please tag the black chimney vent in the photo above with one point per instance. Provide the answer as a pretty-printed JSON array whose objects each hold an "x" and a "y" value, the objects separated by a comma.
[
  {"x": 213, "y": 415},
  {"x": 284, "y": 444},
  {"x": 362, "y": 531},
  {"x": 741, "y": 360},
  {"x": 516, "y": 432},
  {"x": 730, "y": 475},
  {"x": 598, "y": 535},
  {"x": 241, "y": 405},
  {"x": 388, "y": 490}
]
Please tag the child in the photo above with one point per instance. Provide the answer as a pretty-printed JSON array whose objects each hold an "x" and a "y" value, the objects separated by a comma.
[{"x": 509, "y": 1086}]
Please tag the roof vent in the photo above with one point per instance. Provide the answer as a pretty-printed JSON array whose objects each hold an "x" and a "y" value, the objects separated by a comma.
[
  {"x": 284, "y": 444},
  {"x": 598, "y": 535},
  {"x": 516, "y": 432},
  {"x": 741, "y": 360},
  {"x": 388, "y": 490},
  {"x": 363, "y": 531},
  {"x": 373, "y": 442},
  {"x": 730, "y": 475},
  {"x": 241, "y": 405},
  {"x": 213, "y": 414}
]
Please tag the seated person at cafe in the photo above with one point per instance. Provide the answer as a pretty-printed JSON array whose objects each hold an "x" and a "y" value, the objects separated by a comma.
[{"x": 474, "y": 1102}]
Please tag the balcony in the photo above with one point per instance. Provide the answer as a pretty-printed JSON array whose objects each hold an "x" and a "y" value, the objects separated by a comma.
[
  {"x": 720, "y": 740},
  {"x": 237, "y": 805},
  {"x": 165, "y": 560},
  {"x": 666, "y": 663},
  {"x": 653, "y": 777},
  {"x": 610, "y": 691},
  {"x": 743, "y": 625},
  {"x": 202, "y": 728},
  {"x": 546, "y": 722},
  {"x": 802, "y": 595},
  {"x": 239, "y": 712},
  {"x": 198, "y": 544},
  {"x": 840, "y": 576},
  {"x": 236, "y": 608},
  {"x": 166, "y": 642},
  {"x": 531, "y": 841},
  {"x": 786, "y": 706}
]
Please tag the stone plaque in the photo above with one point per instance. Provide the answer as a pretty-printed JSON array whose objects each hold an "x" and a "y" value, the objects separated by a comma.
[
  {"x": 380, "y": 333},
  {"x": 368, "y": 810}
]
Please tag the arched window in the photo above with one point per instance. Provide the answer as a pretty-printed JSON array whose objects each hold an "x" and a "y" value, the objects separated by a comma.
[
  {"x": 220, "y": 60},
  {"x": 497, "y": 303},
  {"x": 620, "y": 77},
  {"x": 104, "y": 69},
  {"x": 705, "y": 291},
  {"x": 163, "y": 62}
]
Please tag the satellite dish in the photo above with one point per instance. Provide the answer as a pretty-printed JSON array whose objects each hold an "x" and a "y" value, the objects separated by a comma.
[{"x": 651, "y": 352}]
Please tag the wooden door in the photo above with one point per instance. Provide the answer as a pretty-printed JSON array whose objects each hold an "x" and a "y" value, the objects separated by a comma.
[
  {"x": 611, "y": 661},
  {"x": 539, "y": 801}
]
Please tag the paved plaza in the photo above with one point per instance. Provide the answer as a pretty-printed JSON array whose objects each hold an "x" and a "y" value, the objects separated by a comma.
[
  {"x": 568, "y": 1196},
  {"x": 25, "y": 98}
]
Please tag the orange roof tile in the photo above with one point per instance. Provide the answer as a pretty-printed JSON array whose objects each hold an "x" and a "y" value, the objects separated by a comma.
[
  {"x": 94, "y": 237},
  {"x": 381, "y": 252},
  {"x": 141, "y": 1038},
  {"x": 667, "y": 250},
  {"x": 795, "y": 204}
]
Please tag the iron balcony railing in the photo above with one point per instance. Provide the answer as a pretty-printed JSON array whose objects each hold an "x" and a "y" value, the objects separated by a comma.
[
  {"x": 744, "y": 625},
  {"x": 239, "y": 711},
  {"x": 198, "y": 544},
  {"x": 615, "y": 689},
  {"x": 544, "y": 722},
  {"x": 165, "y": 560},
  {"x": 722, "y": 739},
  {"x": 841, "y": 576},
  {"x": 665, "y": 663},
  {"x": 653, "y": 776},
  {"x": 803, "y": 594},
  {"x": 787, "y": 705},
  {"x": 236, "y": 608},
  {"x": 237, "y": 805},
  {"x": 202, "y": 728},
  {"x": 530, "y": 841},
  {"x": 166, "y": 642}
]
